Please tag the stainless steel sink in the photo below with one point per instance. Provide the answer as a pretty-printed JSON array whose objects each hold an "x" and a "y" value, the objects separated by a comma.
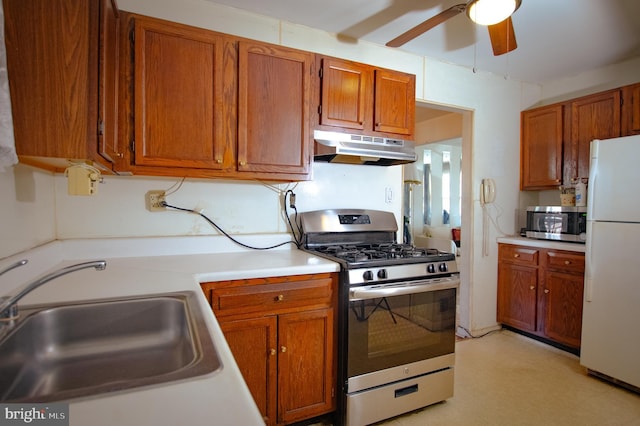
[{"x": 62, "y": 352}]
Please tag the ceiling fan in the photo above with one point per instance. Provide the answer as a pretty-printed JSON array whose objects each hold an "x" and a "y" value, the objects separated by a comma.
[{"x": 495, "y": 14}]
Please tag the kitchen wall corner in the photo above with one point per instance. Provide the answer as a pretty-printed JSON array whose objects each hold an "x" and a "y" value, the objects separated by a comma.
[{"x": 27, "y": 217}]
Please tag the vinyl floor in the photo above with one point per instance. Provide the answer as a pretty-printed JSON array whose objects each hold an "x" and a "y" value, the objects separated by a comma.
[{"x": 507, "y": 379}]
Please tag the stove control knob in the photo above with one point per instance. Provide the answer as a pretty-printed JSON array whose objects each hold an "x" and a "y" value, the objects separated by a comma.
[
  {"x": 368, "y": 275},
  {"x": 443, "y": 267},
  {"x": 431, "y": 268},
  {"x": 382, "y": 274}
]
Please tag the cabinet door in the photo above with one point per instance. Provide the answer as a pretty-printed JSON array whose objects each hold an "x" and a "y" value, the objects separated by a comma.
[
  {"x": 394, "y": 106},
  {"x": 306, "y": 366},
  {"x": 347, "y": 89},
  {"x": 253, "y": 345},
  {"x": 563, "y": 293},
  {"x": 52, "y": 56},
  {"x": 108, "y": 82},
  {"x": 517, "y": 296},
  {"x": 631, "y": 110},
  {"x": 274, "y": 95},
  {"x": 593, "y": 117},
  {"x": 179, "y": 108},
  {"x": 541, "y": 148}
]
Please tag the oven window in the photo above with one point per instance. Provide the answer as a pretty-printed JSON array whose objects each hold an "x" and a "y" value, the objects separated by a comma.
[{"x": 392, "y": 331}]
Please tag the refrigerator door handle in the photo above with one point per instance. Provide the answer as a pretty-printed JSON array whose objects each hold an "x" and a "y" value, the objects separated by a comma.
[
  {"x": 588, "y": 273},
  {"x": 593, "y": 178}
]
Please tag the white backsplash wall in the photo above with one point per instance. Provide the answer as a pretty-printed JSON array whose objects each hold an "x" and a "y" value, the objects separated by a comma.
[
  {"x": 27, "y": 212},
  {"x": 238, "y": 207}
]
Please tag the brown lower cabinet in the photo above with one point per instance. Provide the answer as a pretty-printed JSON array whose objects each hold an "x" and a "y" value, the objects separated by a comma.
[
  {"x": 540, "y": 291},
  {"x": 281, "y": 331}
]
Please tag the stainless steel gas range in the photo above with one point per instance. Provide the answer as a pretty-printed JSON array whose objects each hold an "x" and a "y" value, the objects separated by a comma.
[{"x": 397, "y": 314}]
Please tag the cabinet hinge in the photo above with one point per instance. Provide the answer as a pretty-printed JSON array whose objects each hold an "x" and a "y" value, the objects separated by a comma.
[
  {"x": 333, "y": 392},
  {"x": 319, "y": 109},
  {"x": 100, "y": 127},
  {"x": 320, "y": 72},
  {"x": 132, "y": 146}
]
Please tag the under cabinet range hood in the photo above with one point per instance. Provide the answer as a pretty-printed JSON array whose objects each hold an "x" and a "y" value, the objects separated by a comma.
[{"x": 336, "y": 147}]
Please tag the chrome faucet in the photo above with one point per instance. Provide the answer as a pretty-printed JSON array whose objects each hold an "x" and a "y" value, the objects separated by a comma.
[
  {"x": 14, "y": 266},
  {"x": 8, "y": 304}
]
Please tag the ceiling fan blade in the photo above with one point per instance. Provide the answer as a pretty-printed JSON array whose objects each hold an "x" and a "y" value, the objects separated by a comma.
[
  {"x": 427, "y": 25},
  {"x": 503, "y": 38}
]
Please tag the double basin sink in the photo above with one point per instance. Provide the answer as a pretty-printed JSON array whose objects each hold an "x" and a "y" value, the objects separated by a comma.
[{"x": 65, "y": 351}]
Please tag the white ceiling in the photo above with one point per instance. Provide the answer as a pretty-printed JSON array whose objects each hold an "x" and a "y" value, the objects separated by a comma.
[{"x": 556, "y": 38}]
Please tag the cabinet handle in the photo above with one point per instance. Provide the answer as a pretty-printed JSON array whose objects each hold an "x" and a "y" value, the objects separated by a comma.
[
  {"x": 517, "y": 255},
  {"x": 567, "y": 262},
  {"x": 546, "y": 291},
  {"x": 272, "y": 351},
  {"x": 280, "y": 298},
  {"x": 283, "y": 349},
  {"x": 533, "y": 287}
]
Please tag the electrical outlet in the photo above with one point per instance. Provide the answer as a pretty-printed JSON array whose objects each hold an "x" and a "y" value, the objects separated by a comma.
[{"x": 154, "y": 200}]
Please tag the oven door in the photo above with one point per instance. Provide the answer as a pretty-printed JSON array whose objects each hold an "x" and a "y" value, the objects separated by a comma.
[{"x": 394, "y": 326}]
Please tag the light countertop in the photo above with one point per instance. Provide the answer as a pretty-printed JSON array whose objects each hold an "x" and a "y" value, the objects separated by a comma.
[
  {"x": 532, "y": 242},
  {"x": 159, "y": 265}
]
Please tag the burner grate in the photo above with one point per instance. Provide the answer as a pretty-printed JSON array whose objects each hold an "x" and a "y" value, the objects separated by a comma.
[{"x": 376, "y": 252}]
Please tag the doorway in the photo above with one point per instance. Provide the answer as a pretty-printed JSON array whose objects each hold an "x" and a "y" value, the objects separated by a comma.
[{"x": 438, "y": 194}]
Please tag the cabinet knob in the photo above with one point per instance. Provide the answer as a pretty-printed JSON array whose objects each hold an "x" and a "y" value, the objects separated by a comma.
[
  {"x": 546, "y": 291},
  {"x": 280, "y": 298},
  {"x": 243, "y": 163},
  {"x": 219, "y": 161},
  {"x": 533, "y": 287},
  {"x": 567, "y": 262},
  {"x": 283, "y": 349},
  {"x": 272, "y": 351},
  {"x": 119, "y": 154},
  {"x": 517, "y": 255}
]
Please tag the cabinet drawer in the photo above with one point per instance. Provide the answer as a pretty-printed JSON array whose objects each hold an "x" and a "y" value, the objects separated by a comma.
[
  {"x": 518, "y": 254},
  {"x": 271, "y": 297},
  {"x": 565, "y": 261}
]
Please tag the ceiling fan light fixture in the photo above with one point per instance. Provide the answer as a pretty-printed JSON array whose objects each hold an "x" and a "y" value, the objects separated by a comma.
[{"x": 490, "y": 12}]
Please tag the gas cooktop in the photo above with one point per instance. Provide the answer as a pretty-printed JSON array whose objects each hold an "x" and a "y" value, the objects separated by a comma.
[
  {"x": 359, "y": 238},
  {"x": 382, "y": 254}
]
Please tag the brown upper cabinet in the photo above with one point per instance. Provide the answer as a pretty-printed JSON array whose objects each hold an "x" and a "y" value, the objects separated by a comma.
[
  {"x": 360, "y": 98},
  {"x": 179, "y": 112},
  {"x": 555, "y": 139},
  {"x": 592, "y": 117},
  {"x": 631, "y": 110},
  {"x": 209, "y": 105},
  {"x": 62, "y": 59},
  {"x": 274, "y": 135},
  {"x": 541, "y": 154},
  {"x": 108, "y": 63}
]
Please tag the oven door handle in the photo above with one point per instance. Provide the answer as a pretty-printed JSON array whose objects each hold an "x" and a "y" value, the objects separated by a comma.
[{"x": 399, "y": 289}]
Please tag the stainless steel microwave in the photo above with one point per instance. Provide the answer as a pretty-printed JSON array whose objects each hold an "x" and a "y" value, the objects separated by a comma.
[{"x": 560, "y": 223}]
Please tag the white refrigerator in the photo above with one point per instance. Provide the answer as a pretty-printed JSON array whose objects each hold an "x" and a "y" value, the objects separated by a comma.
[{"x": 611, "y": 317}]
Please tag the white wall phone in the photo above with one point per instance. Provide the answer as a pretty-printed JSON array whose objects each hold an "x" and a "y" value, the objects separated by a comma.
[{"x": 487, "y": 191}]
